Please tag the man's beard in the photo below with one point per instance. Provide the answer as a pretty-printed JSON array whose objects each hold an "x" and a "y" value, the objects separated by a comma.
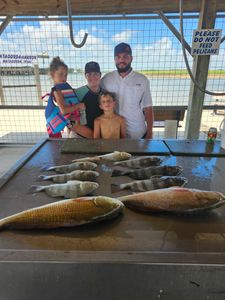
[{"x": 124, "y": 69}]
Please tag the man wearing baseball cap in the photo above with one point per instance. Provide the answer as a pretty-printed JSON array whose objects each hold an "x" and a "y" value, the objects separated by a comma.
[{"x": 133, "y": 93}]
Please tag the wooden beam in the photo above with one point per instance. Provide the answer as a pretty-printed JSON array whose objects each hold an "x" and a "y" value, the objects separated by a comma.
[
  {"x": 90, "y": 7},
  {"x": 200, "y": 71},
  {"x": 5, "y": 23}
]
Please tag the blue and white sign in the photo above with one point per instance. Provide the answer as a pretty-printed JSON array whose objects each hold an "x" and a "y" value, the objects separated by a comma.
[
  {"x": 206, "y": 42},
  {"x": 18, "y": 59}
]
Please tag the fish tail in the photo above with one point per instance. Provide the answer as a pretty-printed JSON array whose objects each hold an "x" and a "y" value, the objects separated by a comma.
[
  {"x": 47, "y": 168},
  {"x": 117, "y": 172},
  {"x": 116, "y": 187},
  {"x": 36, "y": 188},
  {"x": 43, "y": 177}
]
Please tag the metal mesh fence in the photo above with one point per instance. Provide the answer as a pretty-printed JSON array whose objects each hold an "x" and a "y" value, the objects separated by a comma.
[{"x": 29, "y": 44}]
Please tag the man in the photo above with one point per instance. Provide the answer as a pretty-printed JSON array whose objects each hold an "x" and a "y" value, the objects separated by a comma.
[
  {"x": 89, "y": 94},
  {"x": 132, "y": 92}
]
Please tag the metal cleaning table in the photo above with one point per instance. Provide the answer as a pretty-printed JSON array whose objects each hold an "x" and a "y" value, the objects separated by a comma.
[{"x": 136, "y": 256}]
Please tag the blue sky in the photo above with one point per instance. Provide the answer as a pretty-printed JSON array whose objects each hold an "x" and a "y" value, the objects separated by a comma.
[{"x": 154, "y": 46}]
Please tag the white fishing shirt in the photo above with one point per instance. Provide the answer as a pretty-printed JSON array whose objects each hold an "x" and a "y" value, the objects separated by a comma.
[{"x": 132, "y": 95}]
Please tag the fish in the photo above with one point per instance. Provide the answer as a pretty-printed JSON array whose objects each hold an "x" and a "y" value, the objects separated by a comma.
[
  {"x": 82, "y": 175},
  {"x": 175, "y": 200},
  {"x": 150, "y": 184},
  {"x": 65, "y": 213},
  {"x": 140, "y": 162},
  {"x": 71, "y": 167},
  {"x": 73, "y": 188},
  {"x": 146, "y": 173},
  {"x": 114, "y": 156}
]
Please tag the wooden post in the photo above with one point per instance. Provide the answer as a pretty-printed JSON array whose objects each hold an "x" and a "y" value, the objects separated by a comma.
[
  {"x": 200, "y": 71},
  {"x": 2, "y": 98},
  {"x": 38, "y": 83}
]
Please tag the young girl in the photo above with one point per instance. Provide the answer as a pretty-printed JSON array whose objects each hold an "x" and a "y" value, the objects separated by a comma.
[
  {"x": 109, "y": 125},
  {"x": 64, "y": 95}
]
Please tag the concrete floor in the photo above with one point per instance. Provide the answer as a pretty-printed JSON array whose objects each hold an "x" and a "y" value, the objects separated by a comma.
[{"x": 9, "y": 154}]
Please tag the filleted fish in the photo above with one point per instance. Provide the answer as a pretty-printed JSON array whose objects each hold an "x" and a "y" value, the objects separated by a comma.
[
  {"x": 72, "y": 188},
  {"x": 146, "y": 173},
  {"x": 71, "y": 167},
  {"x": 114, "y": 156},
  {"x": 65, "y": 213},
  {"x": 140, "y": 162},
  {"x": 174, "y": 199},
  {"x": 151, "y": 184},
  {"x": 82, "y": 175}
]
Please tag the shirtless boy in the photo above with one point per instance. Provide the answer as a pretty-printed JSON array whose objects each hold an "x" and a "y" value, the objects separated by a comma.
[{"x": 109, "y": 125}]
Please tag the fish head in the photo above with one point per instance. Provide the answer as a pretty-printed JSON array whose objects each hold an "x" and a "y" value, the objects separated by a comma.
[
  {"x": 125, "y": 155},
  {"x": 107, "y": 203},
  {"x": 177, "y": 180},
  {"x": 91, "y": 185},
  {"x": 174, "y": 170}
]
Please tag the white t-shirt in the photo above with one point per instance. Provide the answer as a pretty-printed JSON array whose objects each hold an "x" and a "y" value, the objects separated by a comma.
[{"x": 132, "y": 95}]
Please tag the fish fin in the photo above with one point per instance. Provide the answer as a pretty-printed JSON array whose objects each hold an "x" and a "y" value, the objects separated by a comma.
[
  {"x": 117, "y": 172},
  {"x": 115, "y": 187},
  {"x": 202, "y": 209},
  {"x": 36, "y": 188},
  {"x": 43, "y": 177}
]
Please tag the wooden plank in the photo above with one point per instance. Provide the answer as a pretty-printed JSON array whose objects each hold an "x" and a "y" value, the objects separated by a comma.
[
  {"x": 52, "y": 7},
  {"x": 200, "y": 72},
  {"x": 195, "y": 148},
  {"x": 105, "y": 146}
]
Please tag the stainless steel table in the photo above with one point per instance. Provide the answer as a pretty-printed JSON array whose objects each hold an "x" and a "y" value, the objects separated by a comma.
[{"x": 136, "y": 256}]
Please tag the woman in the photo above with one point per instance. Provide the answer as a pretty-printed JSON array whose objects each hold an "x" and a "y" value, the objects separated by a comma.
[{"x": 89, "y": 94}]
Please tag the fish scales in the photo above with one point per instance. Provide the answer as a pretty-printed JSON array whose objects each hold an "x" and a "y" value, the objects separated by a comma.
[
  {"x": 150, "y": 171},
  {"x": 174, "y": 199},
  {"x": 65, "y": 213},
  {"x": 71, "y": 167},
  {"x": 83, "y": 175},
  {"x": 151, "y": 184},
  {"x": 138, "y": 163},
  {"x": 73, "y": 188}
]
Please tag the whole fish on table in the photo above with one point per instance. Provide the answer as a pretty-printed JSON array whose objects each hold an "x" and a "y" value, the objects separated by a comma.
[
  {"x": 83, "y": 175},
  {"x": 114, "y": 156},
  {"x": 174, "y": 199},
  {"x": 71, "y": 167},
  {"x": 150, "y": 184},
  {"x": 73, "y": 188},
  {"x": 65, "y": 213},
  {"x": 146, "y": 173},
  {"x": 140, "y": 162}
]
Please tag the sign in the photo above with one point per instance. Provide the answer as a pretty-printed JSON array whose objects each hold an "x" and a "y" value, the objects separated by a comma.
[
  {"x": 206, "y": 42},
  {"x": 7, "y": 58}
]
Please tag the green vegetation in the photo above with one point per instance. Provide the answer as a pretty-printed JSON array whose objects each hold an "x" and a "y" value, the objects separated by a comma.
[{"x": 177, "y": 72}]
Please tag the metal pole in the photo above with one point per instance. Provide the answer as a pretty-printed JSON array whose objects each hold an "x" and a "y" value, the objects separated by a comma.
[
  {"x": 38, "y": 83},
  {"x": 2, "y": 98},
  {"x": 200, "y": 69}
]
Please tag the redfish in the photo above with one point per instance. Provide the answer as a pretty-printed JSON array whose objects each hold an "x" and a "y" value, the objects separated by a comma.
[
  {"x": 174, "y": 199},
  {"x": 65, "y": 213}
]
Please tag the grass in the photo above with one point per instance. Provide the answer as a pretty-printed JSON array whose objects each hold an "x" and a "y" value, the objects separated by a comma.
[{"x": 177, "y": 72}]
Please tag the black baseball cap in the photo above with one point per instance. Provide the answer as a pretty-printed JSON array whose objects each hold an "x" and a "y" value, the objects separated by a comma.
[
  {"x": 121, "y": 48},
  {"x": 92, "y": 66}
]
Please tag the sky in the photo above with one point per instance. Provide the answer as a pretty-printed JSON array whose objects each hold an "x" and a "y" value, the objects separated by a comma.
[{"x": 153, "y": 45}]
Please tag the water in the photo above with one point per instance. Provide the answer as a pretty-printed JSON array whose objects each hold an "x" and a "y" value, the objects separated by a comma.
[{"x": 165, "y": 91}]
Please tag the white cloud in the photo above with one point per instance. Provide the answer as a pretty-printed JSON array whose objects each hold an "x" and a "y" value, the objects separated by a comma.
[{"x": 123, "y": 36}]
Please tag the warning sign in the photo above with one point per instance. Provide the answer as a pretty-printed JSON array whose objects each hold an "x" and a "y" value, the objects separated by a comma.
[{"x": 206, "y": 42}]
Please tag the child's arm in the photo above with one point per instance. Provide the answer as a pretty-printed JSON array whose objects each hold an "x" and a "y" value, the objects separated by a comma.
[
  {"x": 97, "y": 131},
  {"x": 83, "y": 131},
  {"x": 123, "y": 128},
  {"x": 61, "y": 103}
]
